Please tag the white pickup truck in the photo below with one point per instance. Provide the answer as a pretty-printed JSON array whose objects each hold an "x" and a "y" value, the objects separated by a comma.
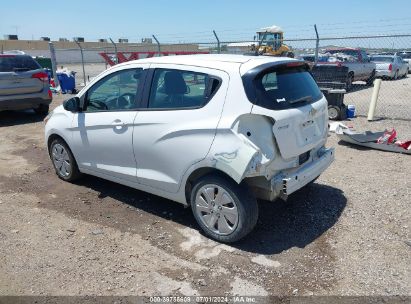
[{"x": 360, "y": 68}]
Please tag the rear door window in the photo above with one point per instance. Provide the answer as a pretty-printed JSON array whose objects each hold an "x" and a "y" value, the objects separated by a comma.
[
  {"x": 286, "y": 87},
  {"x": 174, "y": 89},
  {"x": 12, "y": 63}
]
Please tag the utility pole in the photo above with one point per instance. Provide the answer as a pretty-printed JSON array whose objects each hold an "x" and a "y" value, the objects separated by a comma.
[
  {"x": 317, "y": 43},
  {"x": 158, "y": 45},
  {"x": 218, "y": 42},
  {"x": 115, "y": 50},
  {"x": 82, "y": 61}
]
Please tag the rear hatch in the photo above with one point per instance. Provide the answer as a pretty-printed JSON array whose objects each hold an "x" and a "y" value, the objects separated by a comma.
[
  {"x": 382, "y": 63},
  {"x": 20, "y": 74},
  {"x": 288, "y": 94}
]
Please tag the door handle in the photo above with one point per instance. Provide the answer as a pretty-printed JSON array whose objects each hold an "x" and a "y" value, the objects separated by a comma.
[{"x": 117, "y": 123}]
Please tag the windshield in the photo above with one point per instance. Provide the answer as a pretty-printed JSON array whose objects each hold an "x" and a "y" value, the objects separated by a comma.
[
  {"x": 286, "y": 87},
  {"x": 382, "y": 59},
  {"x": 12, "y": 63},
  {"x": 271, "y": 39}
]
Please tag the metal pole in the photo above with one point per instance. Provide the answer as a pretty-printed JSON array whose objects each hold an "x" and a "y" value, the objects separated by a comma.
[
  {"x": 53, "y": 63},
  {"x": 158, "y": 45},
  {"x": 115, "y": 50},
  {"x": 374, "y": 97},
  {"x": 218, "y": 41},
  {"x": 82, "y": 61},
  {"x": 317, "y": 43}
]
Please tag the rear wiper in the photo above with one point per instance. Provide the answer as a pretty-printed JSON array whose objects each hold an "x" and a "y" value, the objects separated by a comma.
[{"x": 305, "y": 98}]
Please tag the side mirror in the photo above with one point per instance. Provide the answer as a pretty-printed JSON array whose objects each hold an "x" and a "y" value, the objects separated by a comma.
[{"x": 72, "y": 104}]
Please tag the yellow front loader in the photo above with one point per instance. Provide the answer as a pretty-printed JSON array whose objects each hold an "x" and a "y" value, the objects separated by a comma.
[{"x": 271, "y": 43}]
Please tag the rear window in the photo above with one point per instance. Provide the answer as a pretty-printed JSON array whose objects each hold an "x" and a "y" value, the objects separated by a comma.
[
  {"x": 11, "y": 63},
  {"x": 285, "y": 87},
  {"x": 382, "y": 59},
  {"x": 405, "y": 55}
]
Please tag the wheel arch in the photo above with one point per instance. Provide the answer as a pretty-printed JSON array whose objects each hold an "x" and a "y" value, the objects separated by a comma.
[{"x": 199, "y": 173}]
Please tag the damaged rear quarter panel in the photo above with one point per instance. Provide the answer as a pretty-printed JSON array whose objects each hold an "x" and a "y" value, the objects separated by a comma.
[{"x": 245, "y": 149}]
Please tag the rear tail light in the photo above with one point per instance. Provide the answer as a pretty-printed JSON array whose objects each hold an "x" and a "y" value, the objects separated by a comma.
[
  {"x": 50, "y": 94},
  {"x": 42, "y": 76},
  {"x": 390, "y": 67}
]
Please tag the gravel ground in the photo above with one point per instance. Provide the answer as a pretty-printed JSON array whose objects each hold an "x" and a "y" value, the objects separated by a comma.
[{"x": 347, "y": 234}]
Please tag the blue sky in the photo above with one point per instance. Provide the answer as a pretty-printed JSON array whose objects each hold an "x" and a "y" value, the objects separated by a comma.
[{"x": 184, "y": 21}]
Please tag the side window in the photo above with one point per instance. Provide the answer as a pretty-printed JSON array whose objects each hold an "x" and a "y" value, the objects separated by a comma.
[
  {"x": 114, "y": 92},
  {"x": 364, "y": 56},
  {"x": 171, "y": 89}
]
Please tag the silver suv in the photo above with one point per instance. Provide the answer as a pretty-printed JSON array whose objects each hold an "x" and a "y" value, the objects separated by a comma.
[{"x": 23, "y": 84}]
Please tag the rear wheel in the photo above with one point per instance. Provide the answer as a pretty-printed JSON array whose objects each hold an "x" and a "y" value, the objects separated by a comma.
[
  {"x": 334, "y": 112},
  {"x": 224, "y": 210},
  {"x": 395, "y": 75},
  {"x": 350, "y": 80},
  {"x": 42, "y": 109},
  {"x": 63, "y": 161}
]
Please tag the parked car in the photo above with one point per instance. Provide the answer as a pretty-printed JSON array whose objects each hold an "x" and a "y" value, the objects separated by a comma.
[
  {"x": 359, "y": 66},
  {"x": 23, "y": 84},
  {"x": 213, "y": 132},
  {"x": 390, "y": 66},
  {"x": 406, "y": 56}
]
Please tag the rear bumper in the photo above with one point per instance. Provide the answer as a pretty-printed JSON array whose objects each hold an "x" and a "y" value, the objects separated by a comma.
[
  {"x": 287, "y": 182},
  {"x": 307, "y": 173},
  {"x": 384, "y": 73},
  {"x": 23, "y": 103}
]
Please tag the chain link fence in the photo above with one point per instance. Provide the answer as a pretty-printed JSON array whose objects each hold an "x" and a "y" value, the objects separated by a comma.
[{"x": 394, "y": 100}]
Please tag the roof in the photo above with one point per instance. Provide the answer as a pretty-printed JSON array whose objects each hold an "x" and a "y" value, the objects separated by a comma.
[
  {"x": 271, "y": 29},
  {"x": 223, "y": 62}
]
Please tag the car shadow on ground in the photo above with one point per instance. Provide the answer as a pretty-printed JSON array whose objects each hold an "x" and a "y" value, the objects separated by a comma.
[
  {"x": 299, "y": 221},
  {"x": 14, "y": 118}
]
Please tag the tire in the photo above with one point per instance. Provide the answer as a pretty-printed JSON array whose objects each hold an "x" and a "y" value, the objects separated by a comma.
[
  {"x": 395, "y": 77},
  {"x": 350, "y": 80},
  {"x": 334, "y": 113},
  {"x": 63, "y": 161},
  {"x": 42, "y": 109},
  {"x": 231, "y": 207},
  {"x": 370, "y": 80}
]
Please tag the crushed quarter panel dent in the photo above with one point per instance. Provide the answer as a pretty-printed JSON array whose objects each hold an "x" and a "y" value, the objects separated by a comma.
[{"x": 246, "y": 149}]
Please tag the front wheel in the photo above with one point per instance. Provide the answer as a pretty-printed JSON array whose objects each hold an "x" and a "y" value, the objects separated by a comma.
[
  {"x": 63, "y": 161},
  {"x": 371, "y": 79},
  {"x": 225, "y": 211}
]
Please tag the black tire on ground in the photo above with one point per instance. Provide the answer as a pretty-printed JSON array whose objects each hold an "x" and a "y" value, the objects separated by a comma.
[
  {"x": 395, "y": 75},
  {"x": 42, "y": 109},
  {"x": 334, "y": 113},
  {"x": 350, "y": 80},
  {"x": 370, "y": 80},
  {"x": 290, "y": 55},
  {"x": 244, "y": 200},
  {"x": 74, "y": 171}
]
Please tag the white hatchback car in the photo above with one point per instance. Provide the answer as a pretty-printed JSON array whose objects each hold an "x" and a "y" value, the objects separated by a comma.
[{"x": 213, "y": 132}]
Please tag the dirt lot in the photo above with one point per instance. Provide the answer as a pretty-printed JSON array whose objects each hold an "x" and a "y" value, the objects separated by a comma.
[{"x": 348, "y": 234}]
